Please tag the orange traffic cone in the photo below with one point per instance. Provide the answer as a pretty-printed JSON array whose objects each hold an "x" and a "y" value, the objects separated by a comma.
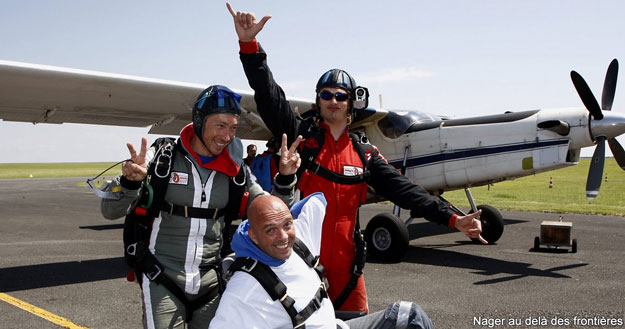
[{"x": 550, "y": 182}]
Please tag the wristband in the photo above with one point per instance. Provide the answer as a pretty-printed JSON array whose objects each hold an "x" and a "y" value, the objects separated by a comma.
[{"x": 452, "y": 220}]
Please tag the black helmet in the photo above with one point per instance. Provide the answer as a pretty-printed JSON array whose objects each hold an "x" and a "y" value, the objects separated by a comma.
[
  {"x": 336, "y": 78},
  {"x": 214, "y": 100}
]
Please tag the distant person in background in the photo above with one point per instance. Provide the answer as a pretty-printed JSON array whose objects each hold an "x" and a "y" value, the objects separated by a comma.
[
  {"x": 251, "y": 154},
  {"x": 265, "y": 166}
]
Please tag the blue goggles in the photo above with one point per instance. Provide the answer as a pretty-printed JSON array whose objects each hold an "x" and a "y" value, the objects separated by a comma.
[
  {"x": 221, "y": 98},
  {"x": 340, "y": 96}
]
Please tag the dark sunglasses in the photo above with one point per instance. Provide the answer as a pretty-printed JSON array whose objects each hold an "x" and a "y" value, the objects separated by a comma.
[{"x": 340, "y": 97}]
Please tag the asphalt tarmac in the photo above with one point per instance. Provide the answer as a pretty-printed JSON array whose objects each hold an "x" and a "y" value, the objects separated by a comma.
[{"x": 58, "y": 254}]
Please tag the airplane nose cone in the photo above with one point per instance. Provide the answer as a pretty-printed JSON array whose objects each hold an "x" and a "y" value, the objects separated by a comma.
[{"x": 612, "y": 125}]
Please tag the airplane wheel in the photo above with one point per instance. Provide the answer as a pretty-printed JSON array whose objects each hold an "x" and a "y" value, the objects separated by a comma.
[
  {"x": 536, "y": 243},
  {"x": 492, "y": 224},
  {"x": 387, "y": 237},
  {"x": 574, "y": 246}
]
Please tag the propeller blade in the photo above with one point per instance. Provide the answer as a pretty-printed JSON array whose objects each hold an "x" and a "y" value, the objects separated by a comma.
[
  {"x": 609, "y": 86},
  {"x": 586, "y": 95},
  {"x": 617, "y": 151},
  {"x": 595, "y": 172}
]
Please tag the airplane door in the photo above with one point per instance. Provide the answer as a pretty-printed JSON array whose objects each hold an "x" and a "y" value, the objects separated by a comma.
[{"x": 452, "y": 141}]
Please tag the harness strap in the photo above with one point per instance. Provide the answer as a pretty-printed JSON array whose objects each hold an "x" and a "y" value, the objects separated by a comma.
[
  {"x": 330, "y": 175},
  {"x": 186, "y": 211},
  {"x": 154, "y": 271},
  {"x": 312, "y": 307},
  {"x": 314, "y": 139},
  {"x": 263, "y": 274},
  {"x": 157, "y": 181},
  {"x": 238, "y": 195},
  {"x": 313, "y": 261},
  {"x": 277, "y": 290},
  {"x": 359, "y": 241},
  {"x": 357, "y": 266}
]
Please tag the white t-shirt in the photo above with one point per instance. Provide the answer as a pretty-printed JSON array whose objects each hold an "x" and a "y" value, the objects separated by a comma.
[{"x": 246, "y": 304}]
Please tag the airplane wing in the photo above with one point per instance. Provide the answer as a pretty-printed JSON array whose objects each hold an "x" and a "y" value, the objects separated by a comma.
[{"x": 47, "y": 94}]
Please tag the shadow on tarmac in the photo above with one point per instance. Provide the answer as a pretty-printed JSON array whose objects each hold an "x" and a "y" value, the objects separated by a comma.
[
  {"x": 102, "y": 227},
  {"x": 425, "y": 229},
  {"x": 59, "y": 274},
  {"x": 489, "y": 267},
  {"x": 483, "y": 265}
]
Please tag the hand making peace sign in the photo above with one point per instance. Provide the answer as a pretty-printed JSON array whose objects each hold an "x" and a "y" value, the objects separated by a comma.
[
  {"x": 289, "y": 158},
  {"x": 137, "y": 168}
]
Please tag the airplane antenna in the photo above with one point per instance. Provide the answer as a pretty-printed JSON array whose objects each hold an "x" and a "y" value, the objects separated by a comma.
[{"x": 380, "y": 97}]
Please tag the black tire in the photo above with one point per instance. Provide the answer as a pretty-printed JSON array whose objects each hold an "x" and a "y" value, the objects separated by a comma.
[
  {"x": 492, "y": 224},
  {"x": 574, "y": 246},
  {"x": 536, "y": 243},
  {"x": 387, "y": 238}
]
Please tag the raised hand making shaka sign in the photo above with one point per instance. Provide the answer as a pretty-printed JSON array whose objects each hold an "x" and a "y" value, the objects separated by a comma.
[{"x": 246, "y": 25}]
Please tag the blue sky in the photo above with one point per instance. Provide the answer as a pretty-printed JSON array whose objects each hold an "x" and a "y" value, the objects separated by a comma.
[{"x": 458, "y": 58}]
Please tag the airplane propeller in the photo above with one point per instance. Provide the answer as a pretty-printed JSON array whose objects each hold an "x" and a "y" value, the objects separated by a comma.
[{"x": 595, "y": 172}]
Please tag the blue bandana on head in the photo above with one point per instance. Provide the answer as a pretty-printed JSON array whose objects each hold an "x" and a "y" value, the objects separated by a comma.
[{"x": 243, "y": 246}]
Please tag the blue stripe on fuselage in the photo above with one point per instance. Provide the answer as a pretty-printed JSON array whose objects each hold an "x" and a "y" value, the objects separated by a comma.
[{"x": 475, "y": 152}]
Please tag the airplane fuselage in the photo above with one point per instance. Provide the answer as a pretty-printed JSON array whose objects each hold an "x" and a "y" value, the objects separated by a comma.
[{"x": 460, "y": 153}]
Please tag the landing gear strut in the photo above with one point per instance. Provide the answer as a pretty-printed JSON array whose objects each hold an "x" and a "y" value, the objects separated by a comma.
[{"x": 492, "y": 221}]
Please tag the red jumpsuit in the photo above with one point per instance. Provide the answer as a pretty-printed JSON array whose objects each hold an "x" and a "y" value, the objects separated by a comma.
[{"x": 337, "y": 240}]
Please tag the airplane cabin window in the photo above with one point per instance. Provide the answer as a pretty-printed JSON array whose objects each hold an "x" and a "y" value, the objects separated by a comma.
[{"x": 397, "y": 123}]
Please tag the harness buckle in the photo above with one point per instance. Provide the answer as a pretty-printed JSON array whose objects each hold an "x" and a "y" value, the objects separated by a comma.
[
  {"x": 366, "y": 175},
  {"x": 153, "y": 273},
  {"x": 164, "y": 161},
  {"x": 171, "y": 208},
  {"x": 317, "y": 166},
  {"x": 248, "y": 267},
  {"x": 234, "y": 180},
  {"x": 357, "y": 270},
  {"x": 132, "y": 249},
  {"x": 316, "y": 303}
]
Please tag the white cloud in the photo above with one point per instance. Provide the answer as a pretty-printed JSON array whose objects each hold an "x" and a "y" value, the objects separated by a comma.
[{"x": 298, "y": 88}]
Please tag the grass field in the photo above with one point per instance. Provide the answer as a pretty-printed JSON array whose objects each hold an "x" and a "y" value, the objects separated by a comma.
[
  {"x": 51, "y": 170},
  {"x": 530, "y": 193},
  {"x": 568, "y": 194}
]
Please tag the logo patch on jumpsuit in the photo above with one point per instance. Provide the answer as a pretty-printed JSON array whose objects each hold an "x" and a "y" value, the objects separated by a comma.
[
  {"x": 179, "y": 178},
  {"x": 352, "y": 171}
]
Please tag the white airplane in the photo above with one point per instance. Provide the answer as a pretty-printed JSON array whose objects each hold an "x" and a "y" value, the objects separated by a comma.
[{"x": 438, "y": 153}]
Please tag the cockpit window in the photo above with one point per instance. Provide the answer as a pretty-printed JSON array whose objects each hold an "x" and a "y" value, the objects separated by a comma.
[{"x": 397, "y": 123}]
